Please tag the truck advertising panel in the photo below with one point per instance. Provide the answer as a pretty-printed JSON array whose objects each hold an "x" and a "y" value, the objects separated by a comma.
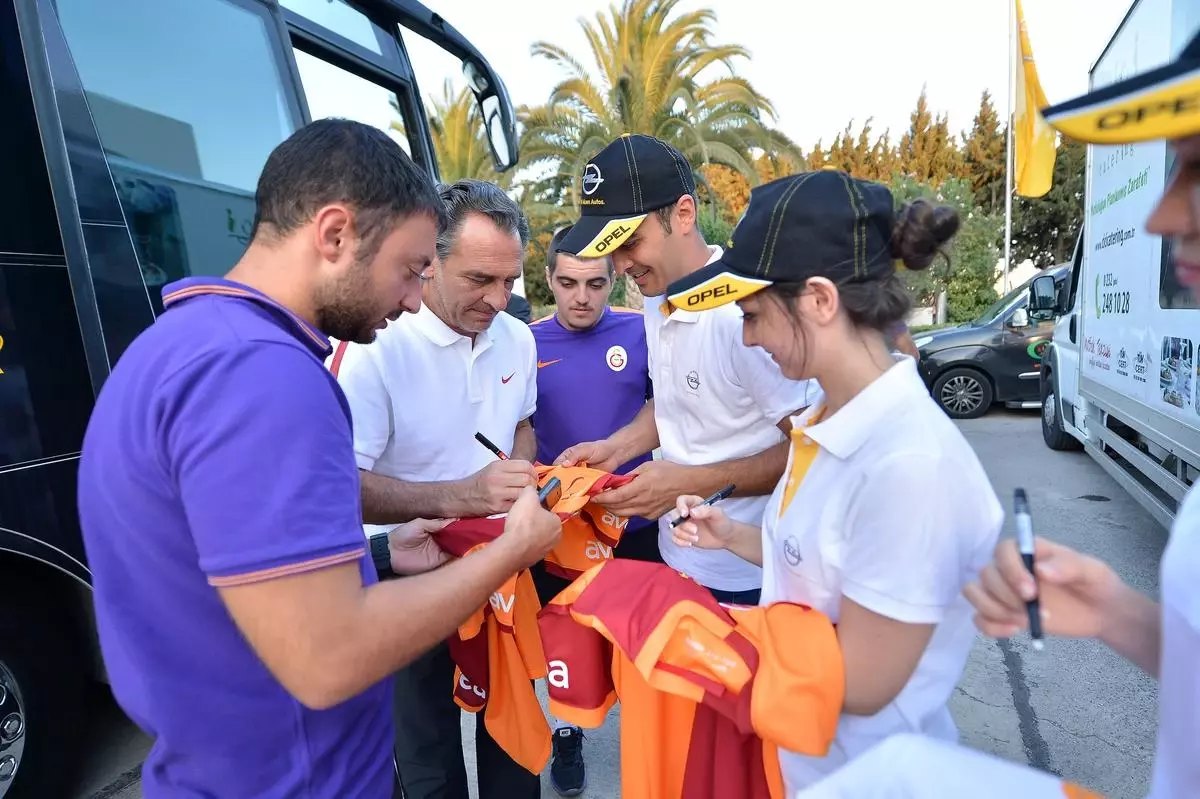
[{"x": 1137, "y": 337}]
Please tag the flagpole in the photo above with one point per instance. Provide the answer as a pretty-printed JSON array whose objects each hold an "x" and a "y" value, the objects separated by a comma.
[{"x": 1008, "y": 147}]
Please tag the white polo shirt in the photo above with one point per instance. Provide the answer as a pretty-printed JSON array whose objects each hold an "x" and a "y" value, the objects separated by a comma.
[
  {"x": 420, "y": 392},
  {"x": 715, "y": 399},
  {"x": 1176, "y": 767},
  {"x": 896, "y": 513}
]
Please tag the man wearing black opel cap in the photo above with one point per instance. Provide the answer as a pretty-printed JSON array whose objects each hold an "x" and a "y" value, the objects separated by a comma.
[{"x": 720, "y": 410}]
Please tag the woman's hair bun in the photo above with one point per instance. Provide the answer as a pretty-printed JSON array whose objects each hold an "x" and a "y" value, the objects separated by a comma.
[{"x": 920, "y": 232}]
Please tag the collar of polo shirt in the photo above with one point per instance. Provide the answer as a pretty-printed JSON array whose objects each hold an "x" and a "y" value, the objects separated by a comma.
[
  {"x": 845, "y": 431},
  {"x": 441, "y": 334}
]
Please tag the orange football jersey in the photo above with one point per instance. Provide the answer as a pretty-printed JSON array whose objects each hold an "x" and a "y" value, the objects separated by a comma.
[
  {"x": 708, "y": 692},
  {"x": 590, "y": 531},
  {"x": 497, "y": 652}
]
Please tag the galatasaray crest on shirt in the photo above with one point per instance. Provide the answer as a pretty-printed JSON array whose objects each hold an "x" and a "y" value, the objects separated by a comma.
[{"x": 616, "y": 357}]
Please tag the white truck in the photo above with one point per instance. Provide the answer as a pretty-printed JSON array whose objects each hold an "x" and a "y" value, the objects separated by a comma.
[{"x": 1121, "y": 378}]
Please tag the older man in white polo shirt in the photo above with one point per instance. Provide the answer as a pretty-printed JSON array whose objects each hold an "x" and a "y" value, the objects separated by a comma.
[
  {"x": 721, "y": 411},
  {"x": 418, "y": 395}
]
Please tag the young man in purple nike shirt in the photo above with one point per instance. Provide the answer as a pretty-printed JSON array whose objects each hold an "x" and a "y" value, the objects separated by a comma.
[
  {"x": 240, "y": 617},
  {"x": 593, "y": 378}
]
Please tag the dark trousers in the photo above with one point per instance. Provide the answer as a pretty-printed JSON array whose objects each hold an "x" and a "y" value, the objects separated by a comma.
[
  {"x": 429, "y": 749},
  {"x": 736, "y": 597}
]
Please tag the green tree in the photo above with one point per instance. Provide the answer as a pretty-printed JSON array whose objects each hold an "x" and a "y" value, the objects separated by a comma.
[
  {"x": 1045, "y": 228},
  {"x": 984, "y": 157},
  {"x": 817, "y": 157},
  {"x": 860, "y": 156},
  {"x": 927, "y": 151},
  {"x": 715, "y": 227},
  {"x": 970, "y": 275},
  {"x": 728, "y": 188}
]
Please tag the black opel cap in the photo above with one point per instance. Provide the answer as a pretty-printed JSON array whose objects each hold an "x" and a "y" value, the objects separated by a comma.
[
  {"x": 1162, "y": 103},
  {"x": 626, "y": 180},
  {"x": 814, "y": 224}
]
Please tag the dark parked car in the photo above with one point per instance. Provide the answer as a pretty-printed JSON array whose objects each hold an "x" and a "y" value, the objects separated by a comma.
[{"x": 994, "y": 358}]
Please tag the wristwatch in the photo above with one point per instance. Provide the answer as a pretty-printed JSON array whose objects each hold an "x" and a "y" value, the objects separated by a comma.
[{"x": 381, "y": 554}]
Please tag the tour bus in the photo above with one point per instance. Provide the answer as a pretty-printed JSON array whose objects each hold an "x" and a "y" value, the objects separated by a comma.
[{"x": 133, "y": 134}]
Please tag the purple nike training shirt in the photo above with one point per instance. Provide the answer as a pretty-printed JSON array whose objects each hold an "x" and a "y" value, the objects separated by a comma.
[
  {"x": 219, "y": 453},
  {"x": 590, "y": 383}
]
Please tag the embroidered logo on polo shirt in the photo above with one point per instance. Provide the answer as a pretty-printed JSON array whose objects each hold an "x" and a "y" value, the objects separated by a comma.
[
  {"x": 693, "y": 380},
  {"x": 791, "y": 550},
  {"x": 616, "y": 357},
  {"x": 506, "y": 379}
]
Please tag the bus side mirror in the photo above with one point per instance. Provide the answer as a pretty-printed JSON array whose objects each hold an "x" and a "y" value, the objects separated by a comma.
[{"x": 496, "y": 109}]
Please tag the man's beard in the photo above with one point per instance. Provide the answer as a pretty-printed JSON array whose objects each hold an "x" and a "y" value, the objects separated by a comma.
[{"x": 346, "y": 310}]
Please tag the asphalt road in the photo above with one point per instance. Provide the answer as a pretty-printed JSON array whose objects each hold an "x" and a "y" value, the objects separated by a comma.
[{"x": 1074, "y": 709}]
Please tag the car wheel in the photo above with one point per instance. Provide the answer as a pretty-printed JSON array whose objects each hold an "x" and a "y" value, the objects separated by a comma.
[
  {"x": 42, "y": 693},
  {"x": 1052, "y": 432},
  {"x": 963, "y": 393}
]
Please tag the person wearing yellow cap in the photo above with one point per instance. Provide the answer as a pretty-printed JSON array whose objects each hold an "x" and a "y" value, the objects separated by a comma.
[
  {"x": 884, "y": 511},
  {"x": 1079, "y": 595}
]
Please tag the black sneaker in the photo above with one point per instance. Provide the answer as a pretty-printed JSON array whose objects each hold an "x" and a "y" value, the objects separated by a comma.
[{"x": 567, "y": 774}]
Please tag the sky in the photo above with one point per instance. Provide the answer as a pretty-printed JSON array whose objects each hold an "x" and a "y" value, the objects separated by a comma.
[{"x": 821, "y": 63}]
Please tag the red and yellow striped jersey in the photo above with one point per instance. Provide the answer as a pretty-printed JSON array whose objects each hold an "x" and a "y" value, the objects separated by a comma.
[{"x": 708, "y": 692}]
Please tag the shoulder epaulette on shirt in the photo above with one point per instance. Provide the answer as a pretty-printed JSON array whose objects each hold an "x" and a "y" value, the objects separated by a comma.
[
  {"x": 709, "y": 693},
  {"x": 498, "y": 650}
]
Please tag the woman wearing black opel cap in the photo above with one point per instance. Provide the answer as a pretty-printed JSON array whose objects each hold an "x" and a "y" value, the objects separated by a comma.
[
  {"x": 1079, "y": 595},
  {"x": 884, "y": 513}
]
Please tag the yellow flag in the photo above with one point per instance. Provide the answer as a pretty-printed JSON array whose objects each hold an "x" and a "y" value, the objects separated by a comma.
[{"x": 1033, "y": 138}]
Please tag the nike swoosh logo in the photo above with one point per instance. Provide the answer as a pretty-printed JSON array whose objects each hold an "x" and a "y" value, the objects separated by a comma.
[
  {"x": 506, "y": 379},
  {"x": 547, "y": 363}
]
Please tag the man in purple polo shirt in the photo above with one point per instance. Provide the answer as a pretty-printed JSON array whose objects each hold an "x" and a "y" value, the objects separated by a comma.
[
  {"x": 593, "y": 378},
  {"x": 241, "y": 621}
]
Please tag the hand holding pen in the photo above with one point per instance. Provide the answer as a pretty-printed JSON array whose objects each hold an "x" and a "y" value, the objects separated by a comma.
[
  {"x": 495, "y": 487},
  {"x": 701, "y": 522},
  {"x": 1068, "y": 593}
]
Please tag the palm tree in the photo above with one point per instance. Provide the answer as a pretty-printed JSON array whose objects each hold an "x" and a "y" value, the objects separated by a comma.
[{"x": 647, "y": 81}]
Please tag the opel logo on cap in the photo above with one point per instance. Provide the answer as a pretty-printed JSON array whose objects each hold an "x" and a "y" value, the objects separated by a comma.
[{"x": 591, "y": 179}]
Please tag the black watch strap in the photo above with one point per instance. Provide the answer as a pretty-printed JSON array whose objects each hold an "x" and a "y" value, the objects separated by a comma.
[{"x": 381, "y": 554}]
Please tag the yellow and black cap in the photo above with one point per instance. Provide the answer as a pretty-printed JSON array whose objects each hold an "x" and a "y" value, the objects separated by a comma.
[
  {"x": 1163, "y": 103},
  {"x": 626, "y": 180},
  {"x": 815, "y": 224}
]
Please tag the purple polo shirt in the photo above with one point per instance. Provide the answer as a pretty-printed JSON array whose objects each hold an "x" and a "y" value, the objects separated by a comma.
[
  {"x": 219, "y": 453},
  {"x": 590, "y": 383}
]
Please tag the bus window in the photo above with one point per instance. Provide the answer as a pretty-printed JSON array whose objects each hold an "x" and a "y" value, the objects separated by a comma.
[
  {"x": 334, "y": 92},
  {"x": 188, "y": 101},
  {"x": 45, "y": 394},
  {"x": 339, "y": 17},
  {"x": 450, "y": 104}
]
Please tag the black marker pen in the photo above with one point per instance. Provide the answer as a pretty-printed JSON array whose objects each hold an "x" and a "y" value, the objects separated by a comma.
[
  {"x": 1025, "y": 545},
  {"x": 487, "y": 442},
  {"x": 717, "y": 497}
]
